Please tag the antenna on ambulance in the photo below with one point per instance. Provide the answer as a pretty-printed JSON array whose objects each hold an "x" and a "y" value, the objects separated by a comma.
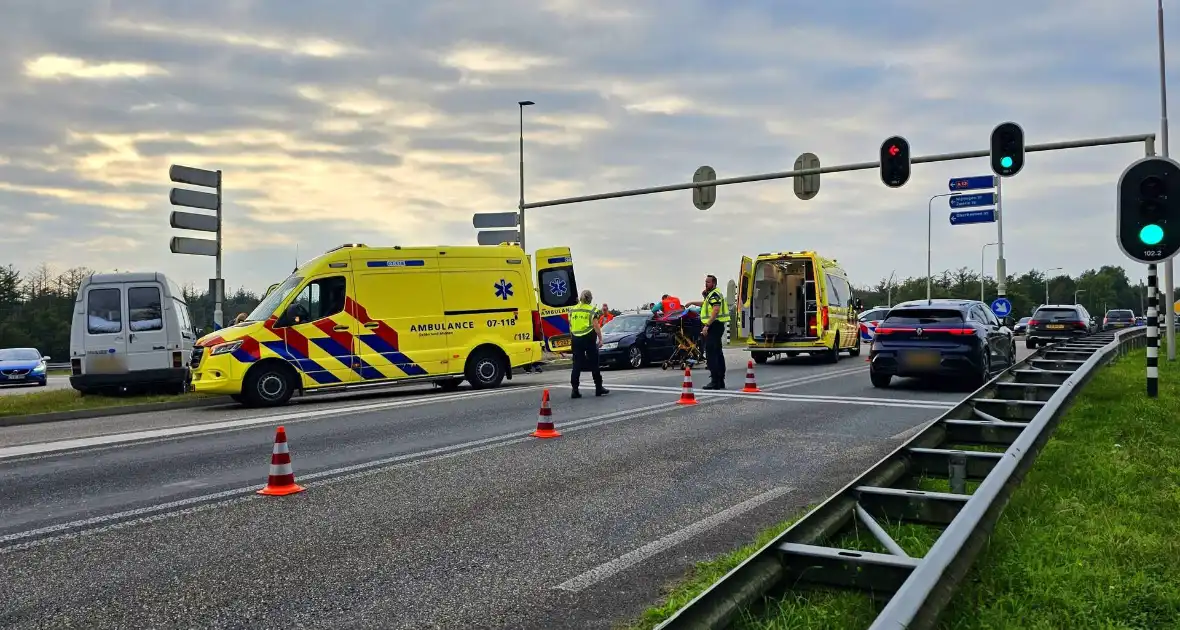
[{"x": 296, "y": 258}]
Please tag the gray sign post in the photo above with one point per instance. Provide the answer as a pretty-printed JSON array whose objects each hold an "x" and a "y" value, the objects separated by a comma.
[{"x": 199, "y": 222}]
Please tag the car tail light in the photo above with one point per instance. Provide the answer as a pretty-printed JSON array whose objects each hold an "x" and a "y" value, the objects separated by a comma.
[
  {"x": 824, "y": 314},
  {"x": 956, "y": 331},
  {"x": 1032, "y": 322},
  {"x": 811, "y": 326},
  {"x": 537, "y": 336},
  {"x": 890, "y": 331},
  {"x": 1081, "y": 325}
]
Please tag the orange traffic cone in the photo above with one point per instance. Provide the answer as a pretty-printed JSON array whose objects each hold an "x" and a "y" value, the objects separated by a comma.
[
  {"x": 545, "y": 419},
  {"x": 282, "y": 479},
  {"x": 751, "y": 386},
  {"x": 686, "y": 395}
]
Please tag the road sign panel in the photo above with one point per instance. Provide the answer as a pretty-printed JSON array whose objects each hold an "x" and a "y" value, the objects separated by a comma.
[
  {"x": 704, "y": 197},
  {"x": 194, "y": 176},
  {"x": 968, "y": 217},
  {"x": 495, "y": 220},
  {"x": 1001, "y": 307},
  {"x": 193, "y": 199},
  {"x": 977, "y": 182},
  {"x": 972, "y": 201},
  {"x": 806, "y": 186},
  {"x": 194, "y": 246},
  {"x": 193, "y": 221},
  {"x": 495, "y": 237}
]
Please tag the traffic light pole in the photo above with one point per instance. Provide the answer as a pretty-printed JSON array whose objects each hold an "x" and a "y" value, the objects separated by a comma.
[
  {"x": 1153, "y": 334},
  {"x": 1169, "y": 277},
  {"x": 1001, "y": 271}
]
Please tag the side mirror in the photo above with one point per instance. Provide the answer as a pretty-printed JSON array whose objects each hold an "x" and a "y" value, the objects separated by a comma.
[{"x": 45, "y": 358}]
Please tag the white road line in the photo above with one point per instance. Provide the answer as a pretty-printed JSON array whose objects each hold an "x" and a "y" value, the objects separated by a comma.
[
  {"x": 156, "y": 435},
  {"x": 842, "y": 400},
  {"x": 628, "y": 560}
]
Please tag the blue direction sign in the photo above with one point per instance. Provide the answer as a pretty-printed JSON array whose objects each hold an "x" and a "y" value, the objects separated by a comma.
[
  {"x": 1001, "y": 307},
  {"x": 978, "y": 182},
  {"x": 968, "y": 217},
  {"x": 973, "y": 201}
]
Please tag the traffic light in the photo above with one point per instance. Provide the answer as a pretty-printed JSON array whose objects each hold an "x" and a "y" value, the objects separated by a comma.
[
  {"x": 1007, "y": 149},
  {"x": 895, "y": 162},
  {"x": 1149, "y": 209}
]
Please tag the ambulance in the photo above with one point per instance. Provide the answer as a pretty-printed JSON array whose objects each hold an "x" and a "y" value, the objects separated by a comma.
[
  {"x": 795, "y": 302},
  {"x": 359, "y": 316}
]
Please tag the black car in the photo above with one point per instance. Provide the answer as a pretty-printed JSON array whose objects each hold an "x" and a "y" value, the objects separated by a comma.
[
  {"x": 1056, "y": 322},
  {"x": 940, "y": 338},
  {"x": 631, "y": 340},
  {"x": 1118, "y": 318},
  {"x": 1021, "y": 326}
]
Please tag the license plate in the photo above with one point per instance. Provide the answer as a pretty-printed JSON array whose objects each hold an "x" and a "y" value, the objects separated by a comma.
[
  {"x": 1055, "y": 326},
  {"x": 15, "y": 377},
  {"x": 922, "y": 359},
  {"x": 559, "y": 344}
]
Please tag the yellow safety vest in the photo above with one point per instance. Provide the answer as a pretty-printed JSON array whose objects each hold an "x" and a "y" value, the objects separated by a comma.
[
  {"x": 582, "y": 319},
  {"x": 707, "y": 308}
]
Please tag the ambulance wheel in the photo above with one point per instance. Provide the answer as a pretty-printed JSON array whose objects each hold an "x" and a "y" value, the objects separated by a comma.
[
  {"x": 238, "y": 398},
  {"x": 760, "y": 357},
  {"x": 854, "y": 351},
  {"x": 268, "y": 384},
  {"x": 485, "y": 369},
  {"x": 833, "y": 355}
]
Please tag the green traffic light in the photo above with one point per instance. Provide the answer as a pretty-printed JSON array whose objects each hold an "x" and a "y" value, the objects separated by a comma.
[
  {"x": 1006, "y": 162},
  {"x": 1151, "y": 234}
]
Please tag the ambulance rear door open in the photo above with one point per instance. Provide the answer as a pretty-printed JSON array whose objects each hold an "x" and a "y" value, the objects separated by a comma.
[
  {"x": 745, "y": 282},
  {"x": 557, "y": 290}
]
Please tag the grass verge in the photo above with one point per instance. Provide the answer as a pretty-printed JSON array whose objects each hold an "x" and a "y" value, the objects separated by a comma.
[
  {"x": 55, "y": 400},
  {"x": 1088, "y": 540}
]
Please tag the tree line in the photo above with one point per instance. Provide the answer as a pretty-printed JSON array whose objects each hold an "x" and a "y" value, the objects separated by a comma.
[{"x": 37, "y": 306}]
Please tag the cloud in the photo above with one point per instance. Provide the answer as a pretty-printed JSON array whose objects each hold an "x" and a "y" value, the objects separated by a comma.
[{"x": 392, "y": 122}]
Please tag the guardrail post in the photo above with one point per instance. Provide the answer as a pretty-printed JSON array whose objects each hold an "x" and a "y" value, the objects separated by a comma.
[{"x": 958, "y": 473}]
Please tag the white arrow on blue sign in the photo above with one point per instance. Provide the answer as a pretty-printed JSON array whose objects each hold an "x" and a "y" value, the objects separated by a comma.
[
  {"x": 972, "y": 183},
  {"x": 1001, "y": 307},
  {"x": 973, "y": 201}
]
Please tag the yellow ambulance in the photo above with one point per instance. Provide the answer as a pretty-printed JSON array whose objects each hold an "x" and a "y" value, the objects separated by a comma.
[
  {"x": 362, "y": 316},
  {"x": 794, "y": 302}
]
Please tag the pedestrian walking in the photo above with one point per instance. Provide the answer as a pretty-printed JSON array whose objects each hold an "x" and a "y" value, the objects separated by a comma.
[
  {"x": 715, "y": 317},
  {"x": 587, "y": 339}
]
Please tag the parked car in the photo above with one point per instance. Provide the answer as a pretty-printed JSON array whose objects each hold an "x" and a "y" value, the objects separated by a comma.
[
  {"x": 941, "y": 338},
  {"x": 633, "y": 341},
  {"x": 1021, "y": 326},
  {"x": 1056, "y": 322},
  {"x": 22, "y": 366}
]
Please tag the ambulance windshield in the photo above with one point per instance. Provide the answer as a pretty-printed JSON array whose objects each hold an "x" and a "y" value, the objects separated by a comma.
[{"x": 267, "y": 306}]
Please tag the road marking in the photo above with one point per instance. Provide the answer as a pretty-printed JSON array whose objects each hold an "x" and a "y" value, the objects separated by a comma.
[
  {"x": 628, "y": 560},
  {"x": 292, "y": 417},
  {"x": 764, "y": 395}
]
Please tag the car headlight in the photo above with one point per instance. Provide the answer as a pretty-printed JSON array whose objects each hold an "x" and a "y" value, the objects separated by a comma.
[
  {"x": 225, "y": 348},
  {"x": 40, "y": 369},
  {"x": 610, "y": 346}
]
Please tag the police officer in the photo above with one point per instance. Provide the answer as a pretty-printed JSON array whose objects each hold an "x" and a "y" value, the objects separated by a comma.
[
  {"x": 587, "y": 339},
  {"x": 715, "y": 317}
]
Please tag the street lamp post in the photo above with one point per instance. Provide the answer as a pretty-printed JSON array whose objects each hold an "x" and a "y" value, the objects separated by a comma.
[
  {"x": 889, "y": 289},
  {"x": 1075, "y": 295},
  {"x": 1169, "y": 277},
  {"x": 982, "y": 273},
  {"x": 1047, "y": 279},
  {"x": 520, "y": 208},
  {"x": 929, "y": 231}
]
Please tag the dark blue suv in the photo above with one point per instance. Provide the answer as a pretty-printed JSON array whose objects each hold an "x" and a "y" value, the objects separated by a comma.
[{"x": 941, "y": 338}]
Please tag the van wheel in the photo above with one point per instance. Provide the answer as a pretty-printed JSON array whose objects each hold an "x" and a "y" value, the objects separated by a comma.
[
  {"x": 268, "y": 385},
  {"x": 484, "y": 370},
  {"x": 760, "y": 357},
  {"x": 855, "y": 350},
  {"x": 833, "y": 355}
]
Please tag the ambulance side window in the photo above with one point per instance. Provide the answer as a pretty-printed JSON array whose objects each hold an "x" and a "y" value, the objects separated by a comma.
[
  {"x": 323, "y": 297},
  {"x": 558, "y": 287},
  {"x": 835, "y": 298}
]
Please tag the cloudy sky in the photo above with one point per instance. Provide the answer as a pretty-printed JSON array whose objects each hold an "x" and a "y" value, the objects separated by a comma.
[{"x": 388, "y": 122}]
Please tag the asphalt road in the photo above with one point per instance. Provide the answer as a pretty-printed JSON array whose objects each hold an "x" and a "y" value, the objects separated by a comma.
[
  {"x": 425, "y": 509},
  {"x": 55, "y": 382}
]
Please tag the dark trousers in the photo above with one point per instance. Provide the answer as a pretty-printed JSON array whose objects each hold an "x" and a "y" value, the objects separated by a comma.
[
  {"x": 714, "y": 353},
  {"x": 585, "y": 351}
]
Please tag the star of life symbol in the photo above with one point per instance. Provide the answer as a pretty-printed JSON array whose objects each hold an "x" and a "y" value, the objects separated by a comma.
[
  {"x": 503, "y": 289},
  {"x": 557, "y": 287}
]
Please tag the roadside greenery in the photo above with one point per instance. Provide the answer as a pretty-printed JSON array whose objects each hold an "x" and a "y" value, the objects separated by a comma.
[
  {"x": 58, "y": 400},
  {"x": 1088, "y": 540}
]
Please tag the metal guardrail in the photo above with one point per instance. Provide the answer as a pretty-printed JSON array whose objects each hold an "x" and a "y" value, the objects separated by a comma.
[
  {"x": 1017, "y": 410},
  {"x": 57, "y": 366}
]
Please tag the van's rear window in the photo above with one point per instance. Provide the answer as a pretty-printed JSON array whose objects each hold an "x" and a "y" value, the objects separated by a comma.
[{"x": 915, "y": 316}]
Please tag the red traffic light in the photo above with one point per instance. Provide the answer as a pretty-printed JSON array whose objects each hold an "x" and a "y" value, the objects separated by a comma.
[
  {"x": 894, "y": 150},
  {"x": 895, "y": 161}
]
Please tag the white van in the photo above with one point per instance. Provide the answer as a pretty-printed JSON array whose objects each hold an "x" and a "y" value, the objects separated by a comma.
[{"x": 131, "y": 331}]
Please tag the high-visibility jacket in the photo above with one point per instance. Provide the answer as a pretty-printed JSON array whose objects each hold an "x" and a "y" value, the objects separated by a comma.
[
  {"x": 714, "y": 298},
  {"x": 605, "y": 317},
  {"x": 582, "y": 319}
]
